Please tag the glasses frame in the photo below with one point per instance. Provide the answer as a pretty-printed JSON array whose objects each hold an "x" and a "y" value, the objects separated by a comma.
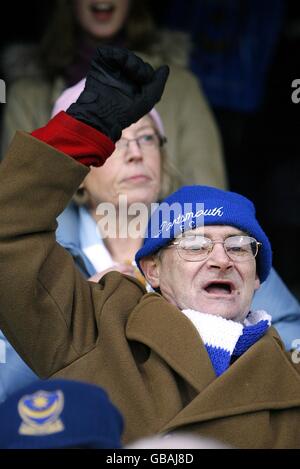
[
  {"x": 161, "y": 142},
  {"x": 180, "y": 250}
]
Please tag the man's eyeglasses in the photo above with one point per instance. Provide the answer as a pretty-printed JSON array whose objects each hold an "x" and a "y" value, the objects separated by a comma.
[
  {"x": 145, "y": 142},
  {"x": 198, "y": 248}
]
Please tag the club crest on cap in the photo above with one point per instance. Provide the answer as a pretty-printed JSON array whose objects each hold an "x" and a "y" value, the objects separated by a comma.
[{"x": 40, "y": 413}]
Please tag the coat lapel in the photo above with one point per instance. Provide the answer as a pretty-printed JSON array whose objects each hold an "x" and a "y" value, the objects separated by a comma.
[
  {"x": 261, "y": 379},
  {"x": 163, "y": 328}
]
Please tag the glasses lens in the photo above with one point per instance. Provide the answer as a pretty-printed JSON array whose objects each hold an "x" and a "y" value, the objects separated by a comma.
[
  {"x": 197, "y": 248},
  {"x": 194, "y": 248},
  {"x": 121, "y": 144},
  {"x": 240, "y": 247},
  {"x": 148, "y": 140},
  {"x": 144, "y": 141}
]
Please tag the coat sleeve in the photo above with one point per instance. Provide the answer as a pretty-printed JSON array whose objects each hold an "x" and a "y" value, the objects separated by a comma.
[{"x": 46, "y": 307}]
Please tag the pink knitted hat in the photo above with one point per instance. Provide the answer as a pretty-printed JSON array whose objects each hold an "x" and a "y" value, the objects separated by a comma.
[{"x": 71, "y": 94}]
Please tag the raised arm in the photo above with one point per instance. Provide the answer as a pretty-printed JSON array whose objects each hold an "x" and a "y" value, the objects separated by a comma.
[{"x": 46, "y": 307}]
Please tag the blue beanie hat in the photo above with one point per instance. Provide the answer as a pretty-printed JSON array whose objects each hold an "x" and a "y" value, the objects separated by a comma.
[
  {"x": 59, "y": 414},
  {"x": 194, "y": 206}
]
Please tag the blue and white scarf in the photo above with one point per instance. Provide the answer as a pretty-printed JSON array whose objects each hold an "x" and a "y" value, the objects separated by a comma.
[{"x": 224, "y": 338}]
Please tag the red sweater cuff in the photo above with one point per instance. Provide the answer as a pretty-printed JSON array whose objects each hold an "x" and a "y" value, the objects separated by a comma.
[{"x": 76, "y": 139}]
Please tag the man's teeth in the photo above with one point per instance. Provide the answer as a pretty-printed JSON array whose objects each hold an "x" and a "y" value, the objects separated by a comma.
[{"x": 103, "y": 7}]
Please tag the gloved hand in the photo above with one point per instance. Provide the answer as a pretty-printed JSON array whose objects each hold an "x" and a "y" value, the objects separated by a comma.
[{"x": 120, "y": 89}]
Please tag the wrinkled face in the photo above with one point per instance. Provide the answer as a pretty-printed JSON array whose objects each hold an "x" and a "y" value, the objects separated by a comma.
[
  {"x": 101, "y": 19},
  {"x": 134, "y": 172},
  {"x": 216, "y": 285}
]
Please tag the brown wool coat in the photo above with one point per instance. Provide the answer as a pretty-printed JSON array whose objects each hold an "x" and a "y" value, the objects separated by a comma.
[{"x": 141, "y": 349}]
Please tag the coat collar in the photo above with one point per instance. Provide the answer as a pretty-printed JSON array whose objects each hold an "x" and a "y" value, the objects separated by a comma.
[
  {"x": 262, "y": 378},
  {"x": 163, "y": 328}
]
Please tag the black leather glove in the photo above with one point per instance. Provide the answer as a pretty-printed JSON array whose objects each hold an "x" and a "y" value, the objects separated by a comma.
[{"x": 120, "y": 89}]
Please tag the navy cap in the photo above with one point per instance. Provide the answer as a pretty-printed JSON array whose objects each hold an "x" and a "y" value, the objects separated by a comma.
[{"x": 60, "y": 414}]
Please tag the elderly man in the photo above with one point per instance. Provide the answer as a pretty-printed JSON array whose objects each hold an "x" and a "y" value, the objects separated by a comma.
[{"x": 190, "y": 357}]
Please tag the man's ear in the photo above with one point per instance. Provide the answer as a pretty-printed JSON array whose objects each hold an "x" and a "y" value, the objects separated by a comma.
[
  {"x": 257, "y": 283},
  {"x": 151, "y": 267}
]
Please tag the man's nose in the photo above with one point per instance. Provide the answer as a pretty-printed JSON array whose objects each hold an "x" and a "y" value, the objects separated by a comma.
[
  {"x": 134, "y": 152},
  {"x": 218, "y": 258}
]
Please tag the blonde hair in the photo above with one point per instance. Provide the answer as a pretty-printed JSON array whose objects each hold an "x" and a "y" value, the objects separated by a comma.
[{"x": 170, "y": 179}]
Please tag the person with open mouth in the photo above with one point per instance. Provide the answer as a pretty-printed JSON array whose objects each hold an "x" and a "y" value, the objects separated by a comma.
[
  {"x": 102, "y": 18},
  {"x": 191, "y": 357}
]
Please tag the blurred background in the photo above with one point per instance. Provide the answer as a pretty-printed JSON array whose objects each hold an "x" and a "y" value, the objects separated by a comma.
[{"x": 246, "y": 55}]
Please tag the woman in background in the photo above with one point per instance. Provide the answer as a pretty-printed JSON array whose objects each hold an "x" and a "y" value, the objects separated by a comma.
[{"x": 37, "y": 75}]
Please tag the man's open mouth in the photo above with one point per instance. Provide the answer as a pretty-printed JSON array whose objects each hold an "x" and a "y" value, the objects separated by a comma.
[{"x": 219, "y": 287}]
